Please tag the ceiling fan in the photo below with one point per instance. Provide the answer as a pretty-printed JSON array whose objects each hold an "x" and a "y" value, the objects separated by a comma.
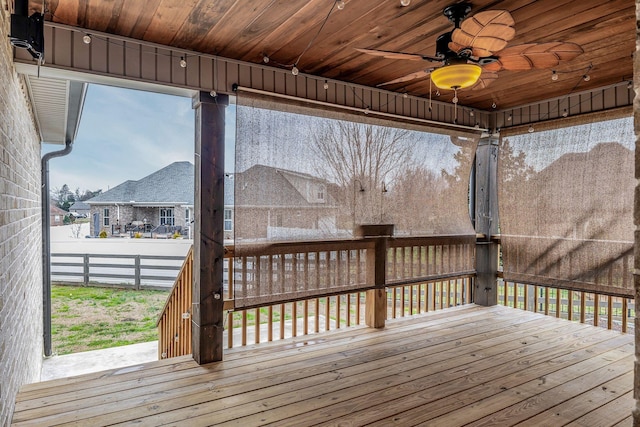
[{"x": 476, "y": 49}]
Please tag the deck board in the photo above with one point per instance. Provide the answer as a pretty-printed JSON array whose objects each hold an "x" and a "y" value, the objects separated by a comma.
[{"x": 465, "y": 366}]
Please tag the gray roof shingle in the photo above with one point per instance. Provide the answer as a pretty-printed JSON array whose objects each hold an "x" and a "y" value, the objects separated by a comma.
[{"x": 172, "y": 184}]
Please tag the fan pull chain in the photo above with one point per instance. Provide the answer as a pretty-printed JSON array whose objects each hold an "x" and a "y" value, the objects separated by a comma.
[
  {"x": 430, "y": 109},
  {"x": 455, "y": 105}
]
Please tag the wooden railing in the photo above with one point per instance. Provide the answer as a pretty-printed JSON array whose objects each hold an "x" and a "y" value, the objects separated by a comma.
[
  {"x": 174, "y": 323},
  {"x": 597, "y": 309},
  {"x": 328, "y": 281}
]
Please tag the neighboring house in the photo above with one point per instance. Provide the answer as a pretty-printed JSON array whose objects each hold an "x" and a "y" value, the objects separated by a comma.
[
  {"x": 57, "y": 215},
  {"x": 80, "y": 208},
  {"x": 274, "y": 203},
  {"x": 164, "y": 198},
  {"x": 279, "y": 203}
]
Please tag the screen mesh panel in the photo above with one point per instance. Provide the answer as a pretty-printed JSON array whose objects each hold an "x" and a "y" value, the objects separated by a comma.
[
  {"x": 566, "y": 206},
  {"x": 305, "y": 174}
]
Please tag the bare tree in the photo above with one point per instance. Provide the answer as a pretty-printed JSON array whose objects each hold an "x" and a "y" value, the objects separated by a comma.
[
  {"x": 76, "y": 230},
  {"x": 360, "y": 158}
]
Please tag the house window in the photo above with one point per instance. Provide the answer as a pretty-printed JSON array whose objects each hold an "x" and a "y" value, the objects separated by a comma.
[
  {"x": 187, "y": 216},
  {"x": 166, "y": 216},
  {"x": 279, "y": 220},
  {"x": 105, "y": 217},
  {"x": 228, "y": 220},
  {"x": 321, "y": 192}
]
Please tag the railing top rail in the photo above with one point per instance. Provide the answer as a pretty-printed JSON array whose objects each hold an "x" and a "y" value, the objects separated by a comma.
[
  {"x": 401, "y": 241},
  {"x": 278, "y": 248}
]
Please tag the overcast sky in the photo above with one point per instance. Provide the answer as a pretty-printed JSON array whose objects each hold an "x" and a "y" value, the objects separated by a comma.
[{"x": 126, "y": 134}]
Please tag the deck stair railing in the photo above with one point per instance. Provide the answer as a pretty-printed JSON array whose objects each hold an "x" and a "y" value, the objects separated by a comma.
[
  {"x": 422, "y": 274},
  {"x": 174, "y": 323}
]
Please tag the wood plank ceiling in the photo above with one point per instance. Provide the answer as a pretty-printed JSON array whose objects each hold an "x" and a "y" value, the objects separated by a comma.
[{"x": 281, "y": 29}]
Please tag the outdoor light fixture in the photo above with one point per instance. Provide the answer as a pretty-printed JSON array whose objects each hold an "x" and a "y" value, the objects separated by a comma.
[
  {"x": 340, "y": 4},
  {"x": 554, "y": 75},
  {"x": 456, "y": 76},
  {"x": 405, "y": 3},
  {"x": 183, "y": 62},
  {"x": 86, "y": 39}
]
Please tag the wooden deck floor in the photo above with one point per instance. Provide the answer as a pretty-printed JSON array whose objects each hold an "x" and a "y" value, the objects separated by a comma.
[{"x": 464, "y": 366}]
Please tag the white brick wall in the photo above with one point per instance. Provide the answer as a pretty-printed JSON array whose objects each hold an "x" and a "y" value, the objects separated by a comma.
[{"x": 20, "y": 234}]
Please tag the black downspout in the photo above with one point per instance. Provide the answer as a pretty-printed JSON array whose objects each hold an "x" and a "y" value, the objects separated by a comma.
[{"x": 46, "y": 246}]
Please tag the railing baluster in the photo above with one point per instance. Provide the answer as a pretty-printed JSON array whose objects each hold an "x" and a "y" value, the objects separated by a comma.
[
  {"x": 403, "y": 300},
  {"x": 570, "y": 305},
  {"x": 596, "y": 310},
  {"x": 419, "y": 298},
  {"x": 394, "y": 302},
  {"x": 305, "y": 321},
  {"x": 270, "y": 324},
  {"x": 294, "y": 319},
  {"x": 229, "y": 329},
  {"x": 257, "y": 326},
  {"x": 583, "y": 306},
  {"x": 244, "y": 327},
  {"x": 348, "y": 312},
  {"x": 546, "y": 301},
  {"x": 624, "y": 315},
  {"x": 316, "y": 326},
  {"x": 609, "y": 312},
  {"x": 327, "y": 313},
  {"x": 359, "y": 297},
  {"x": 506, "y": 292},
  {"x": 283, "y": 317}
]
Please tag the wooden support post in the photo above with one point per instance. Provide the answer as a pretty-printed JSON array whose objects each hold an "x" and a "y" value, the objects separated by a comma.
[
  {"x": 376, "y": 299},
  {"x": 208, "y": 265},
  {"x": 486, "y": 222}
]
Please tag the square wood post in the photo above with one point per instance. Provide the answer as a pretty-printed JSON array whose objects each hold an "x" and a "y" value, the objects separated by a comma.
[
  {"x": 207, "y": 317},
  {"x": 486, "y": 222},
  {"x": 376, "y": 299}
]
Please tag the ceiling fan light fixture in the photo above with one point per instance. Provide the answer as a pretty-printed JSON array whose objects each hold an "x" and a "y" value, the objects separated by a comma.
[{"x": 456, "y": 76}]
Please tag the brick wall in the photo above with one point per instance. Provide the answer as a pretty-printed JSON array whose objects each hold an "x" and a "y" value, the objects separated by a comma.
[{"x": 20, "y": 234}]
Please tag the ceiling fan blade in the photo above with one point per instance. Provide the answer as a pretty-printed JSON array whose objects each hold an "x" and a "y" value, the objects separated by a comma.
[
  {"x": 534, "y": 55},
  {"x": 485, "y": 32},
  {"x": 486, "y": 78},
  {"x": 412, "y": 76},
  {"x": 397, "y": 55}
]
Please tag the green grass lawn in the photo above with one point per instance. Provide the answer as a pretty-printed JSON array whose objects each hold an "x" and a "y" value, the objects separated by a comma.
[{"x": 92, "y": 318}]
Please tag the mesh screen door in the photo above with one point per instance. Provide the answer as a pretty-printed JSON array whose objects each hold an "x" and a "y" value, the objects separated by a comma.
[{"x": 566, "y": 206}]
